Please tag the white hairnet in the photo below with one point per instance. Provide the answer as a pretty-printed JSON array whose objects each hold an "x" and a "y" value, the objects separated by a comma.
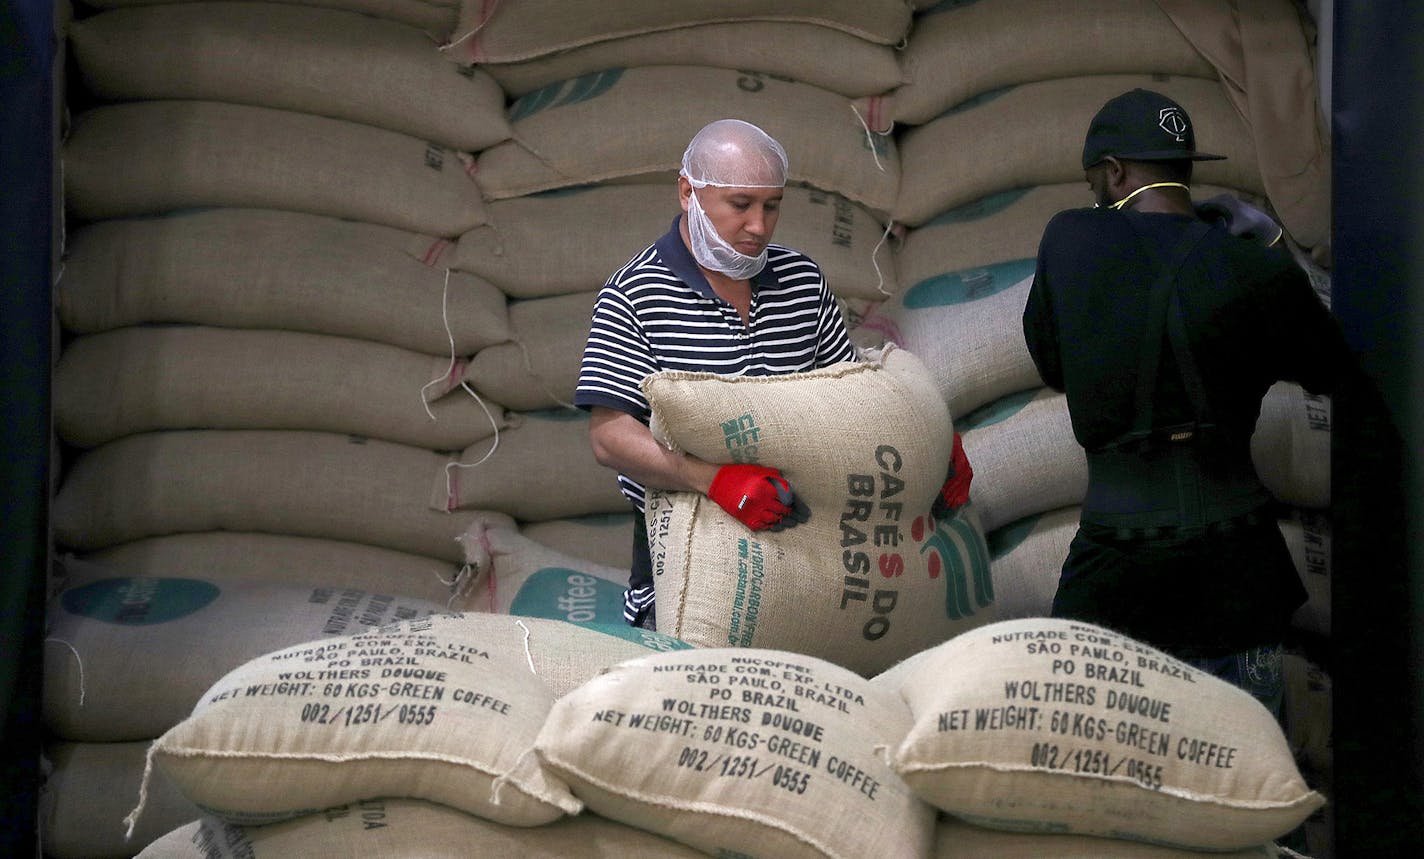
[{"x": 734, "y": 154}]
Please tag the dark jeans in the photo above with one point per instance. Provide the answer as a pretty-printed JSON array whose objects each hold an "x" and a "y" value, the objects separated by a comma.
[{"x": 1257, "y": 670}]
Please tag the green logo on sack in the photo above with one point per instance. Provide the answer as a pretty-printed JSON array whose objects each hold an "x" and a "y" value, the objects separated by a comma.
[
  {"x": 658, "y": 641},
  {"x": 957, "y": 549},
  {"x": 1008, "y": 538},
  {"x": 741, "y": 436},
  {"x": 572, "y": 91},
  {"x": 558, "y": 593},
  {"x": 139, "y": 601},
  {"x": 977, "y": 101},
  {"x": 966, "y": 285},
  {"x": 997, "y": 412},
  {"x": 979, "y": 209}
]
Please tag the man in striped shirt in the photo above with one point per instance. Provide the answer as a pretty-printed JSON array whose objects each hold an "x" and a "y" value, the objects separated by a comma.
[{"x": 712, "y": 295}]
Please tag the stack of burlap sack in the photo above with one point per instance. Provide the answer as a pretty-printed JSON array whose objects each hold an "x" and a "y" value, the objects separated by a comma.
[
  {"x": 328, "y": 277},
  {"x": 1021, "y": 738}
]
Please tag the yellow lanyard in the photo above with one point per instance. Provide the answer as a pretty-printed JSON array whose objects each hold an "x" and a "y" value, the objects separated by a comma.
[{"x": 1124, "y": 201}]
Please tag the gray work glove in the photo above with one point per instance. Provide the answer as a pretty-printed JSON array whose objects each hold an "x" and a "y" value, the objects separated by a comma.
[{"x": 1241, "y": 219}]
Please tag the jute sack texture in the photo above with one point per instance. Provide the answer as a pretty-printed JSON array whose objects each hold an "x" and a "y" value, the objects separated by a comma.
[
  {"x": 741, "y": 751},
  {"x": 539, "y": 366},
  {"x": 509, "y": 32},
  {"x": 1025, "y": 457},
  {"x": 327, "y": 62},
  {"x": 964, "y": 50},
  {"x": 604, "y": 538},
  {"x": 410, "y": 829},
  {"x": 513, "y": 574},
  {"x": 1307, "y": 534},
  {"x": 315, "y": 274},
  {"x": 411, "y": 710},
  {"x": 1027, "y": 559},
  {"x": 1028, "y": 555},
  {"x": 871, "y": 577},
  {"x": 561, "y": 655},
  {"x": 1309, "y": 701},
  {"x": 306, "y": 484},
  {"x": 967, "y": 326},
  {"x": 955, "y": 839},
  {"x": 226, "y": 557},
  {"x": 436, "y": 17},
  {"x": 1045, "y": 725},
  {"x": 574, "y": 132},
  {"x": 820, "y": 56},
  {"x": 147, "y": 158},
  {"x": 1003, "y": 227},
  {"x": 1034, "y": 116},
  {"x": 146, "y": 378},
  {"x": 1291, "y": 446},
  {"x": 542, "y": 468},
  {"x": 87, "y": 790},
  {"x": 1264, "y": 58},
  {"x": 127, "y": 658},
  {"x": 580, "y": 242}
]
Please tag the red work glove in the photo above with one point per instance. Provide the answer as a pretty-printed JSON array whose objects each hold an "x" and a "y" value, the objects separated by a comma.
[
  {"x": 955, "y": 491},
  {"x": 757, "y": 496}
]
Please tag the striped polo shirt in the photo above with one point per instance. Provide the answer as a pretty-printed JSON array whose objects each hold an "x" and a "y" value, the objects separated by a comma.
[{"x": 659, "y": 312}]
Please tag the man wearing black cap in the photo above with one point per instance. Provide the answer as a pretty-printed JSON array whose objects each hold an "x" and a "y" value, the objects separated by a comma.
[{"x": 1165, "y": 330}]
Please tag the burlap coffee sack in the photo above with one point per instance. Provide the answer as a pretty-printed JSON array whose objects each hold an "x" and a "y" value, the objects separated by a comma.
[
  {"x": 1045, "y": 122},
  {"x": 963, "y": 50},
  {"x": 513, "y": 574},
  {"x": 144, "y": 378},
  {"x": 820, "y": 56},
  {"x": 253, "y": 268},
  {"x": 539, "y": 366},
  {"x": 1053, "y": 726},
  {"x": 307, "y": 484},
  {"x": 1025, "y": 457},
  {"x": 147, "y": 158},
  {"x": 227, "y": 557},
  {"x": 574, "y": 132},
  {"x": 561, "y": 654},
  {"x": 87, "y": 790},
  {"x": 436, "y": 17},
  {"x": 542, "y": 468},
  {"x": 424, "y": 710},
  {"x": 127, "y": 658},
  {"x": 1027, "y": 558},
  {"x": 1263, "y": 54},
  {"x": 1309, "y": 706},
  {"x": 967, "y": 326},
  {"x": 604, "y": 538},
  {"x": 871, "y": 577},
  {"x": 1307, "y": 534},
  {"x": 580, "y": 245},
  {"x": 955, "y": 839},
  {"x": 1003, "y": 227},
  {"x": 411, "y": 829},
  {"x": 327, "y": 62},
  {"x": 741, "y": 752},
  {"x": 509, "y": 32},
  {"x": 1291, "y": 446}
]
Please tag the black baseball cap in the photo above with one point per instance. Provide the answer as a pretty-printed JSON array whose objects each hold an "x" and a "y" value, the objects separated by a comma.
[{"x": 1142, "y": 125}]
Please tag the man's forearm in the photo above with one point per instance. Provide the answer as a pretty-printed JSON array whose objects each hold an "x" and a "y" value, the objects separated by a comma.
[{"x": 621, "y": 442}]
